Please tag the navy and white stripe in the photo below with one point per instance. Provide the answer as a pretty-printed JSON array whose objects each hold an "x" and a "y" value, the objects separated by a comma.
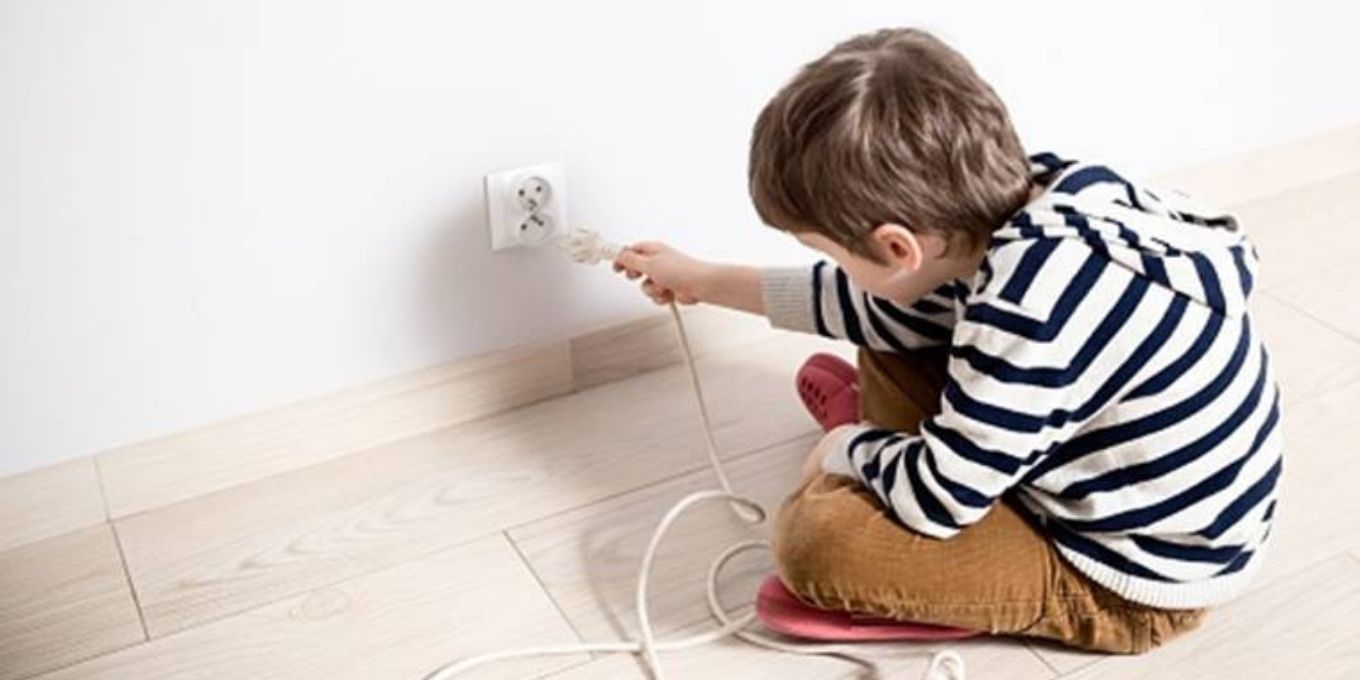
[{"x": 1104, "y": 365}]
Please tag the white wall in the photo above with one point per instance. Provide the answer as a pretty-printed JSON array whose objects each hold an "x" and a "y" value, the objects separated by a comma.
[{"x": 209, "y": 207}]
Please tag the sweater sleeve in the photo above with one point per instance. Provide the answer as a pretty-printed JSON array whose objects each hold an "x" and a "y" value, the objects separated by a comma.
[
  {"x": 1016, "y": 390},
  {"x": 821, "y": 299}
]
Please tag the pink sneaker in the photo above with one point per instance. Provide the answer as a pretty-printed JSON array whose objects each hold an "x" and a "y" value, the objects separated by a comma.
[
  {"x": 829, "y": 388},
  {"x": 784, "y": 613}
]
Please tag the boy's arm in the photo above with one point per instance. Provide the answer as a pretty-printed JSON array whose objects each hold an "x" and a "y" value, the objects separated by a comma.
[
  {"x": 821, "y": 299},
  {"x": 815, "y": 299},
  {"x": 733, "y": 286}
]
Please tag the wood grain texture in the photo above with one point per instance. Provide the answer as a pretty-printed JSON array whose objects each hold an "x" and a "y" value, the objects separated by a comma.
[
  {"x": 48, "y": 502},
  {"x": 394, "y": 624},
  {"x": 588, "y": 558},
  {"x": 1297, "y": 628},
  {"x": 178, "y": 467},
  {"x": 244, "y": 546},
  {"x": 62, "y": 600}
]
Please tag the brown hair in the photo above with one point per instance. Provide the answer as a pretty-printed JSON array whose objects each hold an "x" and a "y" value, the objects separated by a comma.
[{"x": 892, "y": 126}]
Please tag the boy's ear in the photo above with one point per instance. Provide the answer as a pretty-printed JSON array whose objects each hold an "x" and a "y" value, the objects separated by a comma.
[{"x": 900, "y": 245}]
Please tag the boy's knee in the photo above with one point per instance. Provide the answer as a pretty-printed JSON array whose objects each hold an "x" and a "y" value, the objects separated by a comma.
[{"x": 807, "y": 539}]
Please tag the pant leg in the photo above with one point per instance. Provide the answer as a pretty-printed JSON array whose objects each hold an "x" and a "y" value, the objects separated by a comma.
[{"x": 836, "y": 547}]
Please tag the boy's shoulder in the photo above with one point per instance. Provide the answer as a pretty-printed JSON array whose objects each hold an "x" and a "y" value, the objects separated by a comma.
[{"x": 1028, "y": 276}]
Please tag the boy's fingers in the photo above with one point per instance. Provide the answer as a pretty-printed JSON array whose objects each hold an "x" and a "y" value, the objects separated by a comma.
[
  {"x": 626, "y": 263},
  {"x": 657, "y": 293},
  {"x": 630, "y": 260}
]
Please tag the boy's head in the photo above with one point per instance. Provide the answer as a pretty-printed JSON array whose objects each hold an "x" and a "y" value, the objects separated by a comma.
[{"x": 891, "y": 152}]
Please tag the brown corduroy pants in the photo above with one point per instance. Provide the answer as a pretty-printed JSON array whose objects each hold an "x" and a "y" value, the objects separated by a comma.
[{"x": 836, "y": 547}]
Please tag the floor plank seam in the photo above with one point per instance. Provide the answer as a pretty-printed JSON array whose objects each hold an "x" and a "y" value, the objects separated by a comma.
[
  {"x": 1035, "y": 653},
  {"x": 310, "y": 587},
  {"x": 1082, "y": 669},
  {"x": 698, "y": 465},
  {"x": 122, "y": 558},
  {"x": 132, "y": 587},
  {"x": 418, "y": 556},
  {"x": 561, "y": 613},
  {"x": 376, "y": 568}
]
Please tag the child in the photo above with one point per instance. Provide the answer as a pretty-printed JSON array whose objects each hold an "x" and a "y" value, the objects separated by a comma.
[{"x": 1070, "y": 426}]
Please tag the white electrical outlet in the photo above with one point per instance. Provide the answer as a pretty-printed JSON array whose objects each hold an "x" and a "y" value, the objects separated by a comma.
[{"x": 526, "y": 206}]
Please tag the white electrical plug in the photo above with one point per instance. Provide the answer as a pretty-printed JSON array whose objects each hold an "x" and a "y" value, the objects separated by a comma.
[{"x": 586, "y": 246}]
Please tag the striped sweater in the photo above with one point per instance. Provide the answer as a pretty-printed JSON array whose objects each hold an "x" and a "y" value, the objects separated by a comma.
[{"x": 1104, "y": 370}]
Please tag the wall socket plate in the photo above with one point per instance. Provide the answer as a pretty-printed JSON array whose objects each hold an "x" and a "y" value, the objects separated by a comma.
[{"x": 526, "y": 207}]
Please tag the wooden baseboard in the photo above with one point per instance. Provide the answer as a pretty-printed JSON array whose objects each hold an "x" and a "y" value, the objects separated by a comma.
[
  {"x": 220, "y": 455},
  {"x": 146, "y": 475},
  {"x": 185, "y": 465}
]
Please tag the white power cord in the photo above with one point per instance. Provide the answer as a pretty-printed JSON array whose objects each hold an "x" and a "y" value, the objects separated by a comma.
[{"x": 587, "y": 247}]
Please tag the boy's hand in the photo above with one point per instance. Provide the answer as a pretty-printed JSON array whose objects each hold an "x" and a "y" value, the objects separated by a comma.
[{"x": 671, "y": 276}]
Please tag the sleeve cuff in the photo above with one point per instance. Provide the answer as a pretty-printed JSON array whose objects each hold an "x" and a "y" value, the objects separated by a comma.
[
  {"x": 786, "y": 293},
  {"x": 838, "y": 461}
]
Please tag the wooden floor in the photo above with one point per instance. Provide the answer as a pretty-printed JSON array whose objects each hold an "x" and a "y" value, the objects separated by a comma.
[{"x": 527, "y": 527}]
